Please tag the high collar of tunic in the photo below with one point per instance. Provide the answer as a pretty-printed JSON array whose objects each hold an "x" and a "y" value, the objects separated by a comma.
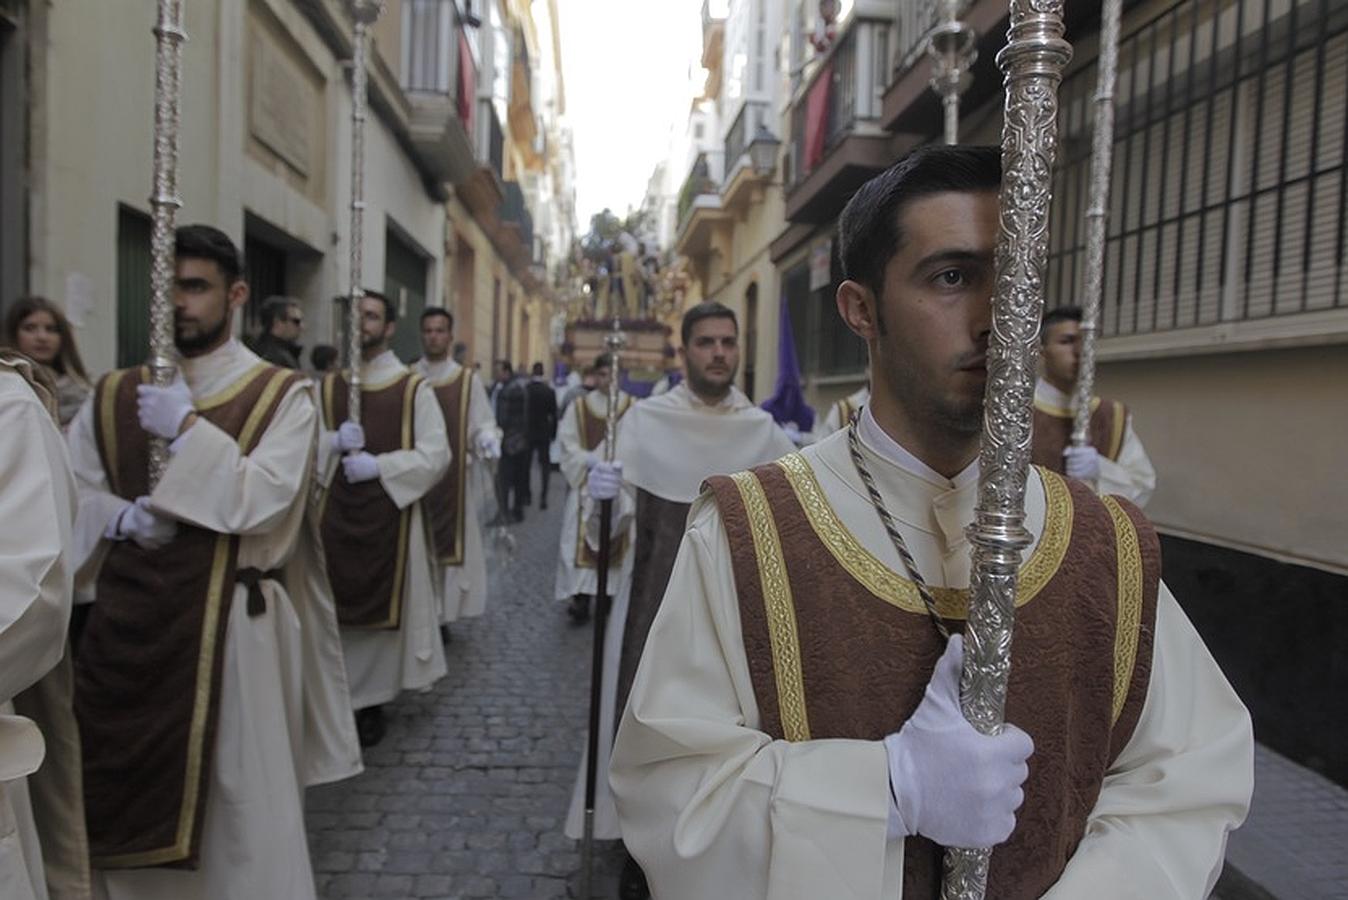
[
  {"x": 212, "y": 372},
  {"x": 927, "y": 500},
  {"x": 443, "y": 370},
  {"x": 1046, "y": 394},
  {"x": 383, "y": 367}
]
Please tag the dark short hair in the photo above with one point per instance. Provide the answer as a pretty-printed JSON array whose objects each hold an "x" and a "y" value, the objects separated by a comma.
[
  {"x": 322, "y": 356},
  {"x": 1058, "y": 314},
  {"x": 868, "y": 229},
  {"x": 208, "y": 242},
  {"x": 273, "y": 308},
  {"x": 602, "y": 361},
  {"x": 430, "y": 311},
  {"x": 537, "y": 369},
  {"x": 707, "y": 309},
  {"x": 390, "y": 308},
  {"x": 505, "y": 364}
]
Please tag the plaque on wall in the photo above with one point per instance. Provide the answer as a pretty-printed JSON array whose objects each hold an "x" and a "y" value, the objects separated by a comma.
[{"x": 281, "y": 104}]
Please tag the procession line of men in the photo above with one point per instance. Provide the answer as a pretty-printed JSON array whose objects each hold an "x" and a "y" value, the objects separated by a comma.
[{"x": 288, "y": 568}]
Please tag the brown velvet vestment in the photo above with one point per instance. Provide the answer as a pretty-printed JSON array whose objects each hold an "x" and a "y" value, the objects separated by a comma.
[
  {"x": 1053, "y": 432},
  {"x": 592, "y": 430},
  {"x": 447, "y": 502},
  {"x": 839, "y": 646},
  {"x": 148, "y": 674},
  {"x": 365, "y": 536}
]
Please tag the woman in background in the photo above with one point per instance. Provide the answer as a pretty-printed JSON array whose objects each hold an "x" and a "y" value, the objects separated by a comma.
[{"x": 38, "y": 329}]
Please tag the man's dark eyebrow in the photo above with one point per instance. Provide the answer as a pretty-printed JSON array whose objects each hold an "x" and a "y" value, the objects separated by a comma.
[
  {"x": 954, "y": 256},
  {"x": 192, "y": 282}
]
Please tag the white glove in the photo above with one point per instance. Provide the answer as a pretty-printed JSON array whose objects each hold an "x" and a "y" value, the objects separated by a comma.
[
  {"x": 606, "y": 480},
  {"x": 1082, "y": 463},
  {"x": 592, "y": 459},
  {"x": 162, "y": 410},
  {"x": 137, "y": 523},
  {"x": 949, "y": 782},
  {"x": 360, "y": 466},
  {"x": 349, "y": 436},
  {"x": 488, "y": 446}
]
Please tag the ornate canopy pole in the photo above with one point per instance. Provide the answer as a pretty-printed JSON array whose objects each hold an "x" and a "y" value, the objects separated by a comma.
[
  {"x": 364, "y": 13},
  {"x": 952, "y": 51},
  {"x": 1032, "y": 64},
  {"x": 614, "y": 342},
  {"x": 1102, "y": 161},
  {"x": 164, "y": 202}
]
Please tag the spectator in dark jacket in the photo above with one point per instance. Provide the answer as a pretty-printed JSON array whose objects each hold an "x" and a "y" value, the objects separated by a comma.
[
  {"x": 282, "y": 323},
  {"x": 511, "y": 402},
  {"x": 542, "y": 428}
]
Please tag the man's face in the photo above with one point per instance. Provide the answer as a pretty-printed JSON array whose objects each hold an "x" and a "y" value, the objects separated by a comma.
[
  {"x": 601, "y": 378},
  {"x": 203, "y": 305},
  {"x": 930, "y": 337},
  {"x": 1061, "y": 352},
  {"x": 290, "y": 325},
  {"x": 502, "y": 374},
  {"x": 375, "y": 333},
  {"x": 436, "y": 337},
  {"x": 712, "y": 356}
]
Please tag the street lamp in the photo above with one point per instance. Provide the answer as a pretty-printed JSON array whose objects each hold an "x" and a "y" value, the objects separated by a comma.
[
  {"x": 763, "y": 151},
  {"x": 952, "y": 47}
]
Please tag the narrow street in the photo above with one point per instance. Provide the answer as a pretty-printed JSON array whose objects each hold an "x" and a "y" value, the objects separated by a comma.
[{"x": 467, "y": 793}]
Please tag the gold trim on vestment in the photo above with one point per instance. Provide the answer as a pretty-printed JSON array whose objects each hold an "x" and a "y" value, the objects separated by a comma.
[
  {"x": 456, "y": 556},
  {"x": 1116, "y": 437},
  {"x": 196, "y": 738},
  {"x": 107, "y": 424},
  {"x": 1060, "y": 412},
  {"x": 260, "y": 410},
  {"x": 845, "y": 410},
  {"x": 779, "y": 606},
  {"x": 893, "y": 588},
  {"x": 619, "y": 548},
  {"x": 1130, "y": 603},
  {"x": 235, "y": 388}
]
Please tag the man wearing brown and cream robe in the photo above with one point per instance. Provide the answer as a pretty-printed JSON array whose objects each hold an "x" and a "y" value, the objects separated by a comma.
[
  {"x": 37, "y": 505},
  {"x": 453, "y": 505},
  {"x": 794, "y": 730},
  {"x": 190, "y": 679},
  {"x": 580, "y": 439},
  {"x": 1113, "y": 459},
  {"x": 666, "y": 447},
  {"x": 378, "y": 552}
]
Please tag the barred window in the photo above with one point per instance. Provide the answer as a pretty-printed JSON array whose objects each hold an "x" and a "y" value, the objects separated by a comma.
[{"x": 1227, "y": 200}]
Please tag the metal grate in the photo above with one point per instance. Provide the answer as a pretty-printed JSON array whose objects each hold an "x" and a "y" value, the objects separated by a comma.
[{"x": 1228, "y": 194}]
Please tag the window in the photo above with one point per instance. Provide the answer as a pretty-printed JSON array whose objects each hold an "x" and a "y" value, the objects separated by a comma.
[
  {"x": 133, "y": 287},
  {"x": 825, "y": 346},
  {"x": 1228, "y": 191},
  {"x": 750, "y": 339},
  {"x": 264, "y": 268},
  {"x": 405, "y": 284}
]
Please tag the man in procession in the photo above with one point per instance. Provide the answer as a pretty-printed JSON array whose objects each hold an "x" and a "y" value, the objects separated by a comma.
[
  {"x": 375, "y": 474},
  {"x": 581, "y": 438},
  {"x": 1115, "y": 459},
  {"x": 667, "y": 446},
  {"x": 794, "y": 730},
  {"x": 189, "y": 711},
  {"x": 841, "y": 412},
  {"x": 453, "y": 504}
]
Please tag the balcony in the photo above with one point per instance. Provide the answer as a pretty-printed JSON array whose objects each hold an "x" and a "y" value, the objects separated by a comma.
[
  {"x": 439, "y": 78},
  {"x": 704, "y": 226},
  {"x": 836, "y": 143},
  {"x": 481, "y": 191}
]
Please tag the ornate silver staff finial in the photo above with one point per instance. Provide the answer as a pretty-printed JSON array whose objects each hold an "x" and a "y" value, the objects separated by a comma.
[
  {"x": 164, "y": 203},
  {"x": 364, "y": 13},
  {"x": 1032, "y": 63},
  {"x": 952, "y": 51},
  {"x": 614, "y": 342},
  {"x": 1102, "y": 159}
]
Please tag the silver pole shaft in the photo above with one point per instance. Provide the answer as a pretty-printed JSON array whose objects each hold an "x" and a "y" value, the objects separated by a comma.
[
  {"x": 365, "y": 13},
  {"x": 1102, "y": 161},
  {"x": 1032, "y": 64},
  {"x": 164, "y": 204}
]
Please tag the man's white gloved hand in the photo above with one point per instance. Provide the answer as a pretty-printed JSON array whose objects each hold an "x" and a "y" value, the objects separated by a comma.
[
  {"x": 488, "y": 446},
  {"x": 137, "y": 523},
  {"x": 162, "y": 410},
  {"x": 360, "y": 466},
  {"x": 949, "y": 782},
  {"x": 606, "y": 480},
  {"x": 1082, "y": 463},
  {"x": 592, "y": 459},
  {"x": 349, "y": 436}
]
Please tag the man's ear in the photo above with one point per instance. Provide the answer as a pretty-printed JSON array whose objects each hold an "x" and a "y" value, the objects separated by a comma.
[
  {"x": 389, "y": 328},
  {"x": 238, "y": 294},
  {"x": 857, "y": 306}
]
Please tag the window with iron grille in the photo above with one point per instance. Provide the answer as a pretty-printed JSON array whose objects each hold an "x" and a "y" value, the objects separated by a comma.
[
  {"x": 133, "y": 286},
  {"x": 1227, "y": 201}
]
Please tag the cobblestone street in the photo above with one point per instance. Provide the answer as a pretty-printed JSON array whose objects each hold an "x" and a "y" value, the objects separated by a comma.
[{"x": 467, "y": 794}]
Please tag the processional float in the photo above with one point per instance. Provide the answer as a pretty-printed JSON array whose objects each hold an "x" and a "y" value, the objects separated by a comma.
[
  {"x": 1032, "y": 64},
  {"x": 164, "y": 204},
  {"x": 614, "y": 343}
]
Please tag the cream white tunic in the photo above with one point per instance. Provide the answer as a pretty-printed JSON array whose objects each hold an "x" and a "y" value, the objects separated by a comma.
[
  {"x": 833, "y": 418},
  {"x": 668, "y": 445},
  {"x": 713, "y": 807},
  {"x": 382, "y": 663},
  {"x": 254, "y": 807},
  {"x": 1132, "y": 474},
  {"x": 465, "y": 587},
  {"x": 575, "y": 464},
  {"x": 37, "y": 505}
]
